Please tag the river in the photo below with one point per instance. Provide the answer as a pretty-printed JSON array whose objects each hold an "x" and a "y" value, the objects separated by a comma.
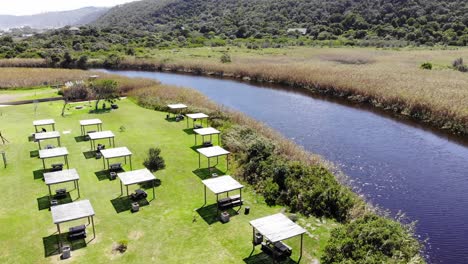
[{"x": 397, "y": 165}]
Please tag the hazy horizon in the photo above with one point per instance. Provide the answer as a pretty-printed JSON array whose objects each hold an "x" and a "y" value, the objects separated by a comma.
[{"x": 32, "y": 7}]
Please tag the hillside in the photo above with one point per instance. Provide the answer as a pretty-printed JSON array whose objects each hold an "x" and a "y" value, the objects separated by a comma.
[
  {"x": 414, "y": 21},
  {"x": 53, "y": 19}
]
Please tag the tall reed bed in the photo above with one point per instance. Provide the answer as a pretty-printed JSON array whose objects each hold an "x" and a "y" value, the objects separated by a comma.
[{"x": 12, "y": 78}]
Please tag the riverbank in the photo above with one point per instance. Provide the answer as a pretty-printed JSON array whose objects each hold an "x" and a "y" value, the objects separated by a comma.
[
  {"x": 329, "y": 193},
  {"x": 387, "y": 79}
]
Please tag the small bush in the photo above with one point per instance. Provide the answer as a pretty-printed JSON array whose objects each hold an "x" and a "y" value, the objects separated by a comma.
[
  {"x": 154, "y": 161},
  {"x": 459, "y": 65},
  {"x": 372, "y": 239},
  {"x": 122, "y": 246},
  {"x": 426, "y": 66},
  {"x": 225, "y": 58}
]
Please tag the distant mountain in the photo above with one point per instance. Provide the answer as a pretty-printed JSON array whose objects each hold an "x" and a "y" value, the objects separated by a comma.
[
  {"x": 418, "y": 21},
  {"x": 53, "y": 19}
]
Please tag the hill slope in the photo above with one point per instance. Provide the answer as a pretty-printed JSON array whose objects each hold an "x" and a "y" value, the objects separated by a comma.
[
  {"x": 53, "y": 19},
  {"x": 420, "y": 21}
]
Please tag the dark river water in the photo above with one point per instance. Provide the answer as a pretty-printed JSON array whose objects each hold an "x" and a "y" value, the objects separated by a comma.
[{"x": 397, "y": 165}]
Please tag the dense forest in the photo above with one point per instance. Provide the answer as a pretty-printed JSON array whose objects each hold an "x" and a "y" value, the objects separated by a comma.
[
  {"x": 132, "y": 28},
  {"x": 416, "y": 21}
]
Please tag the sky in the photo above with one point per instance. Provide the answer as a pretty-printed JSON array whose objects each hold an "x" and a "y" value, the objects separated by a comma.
[{"x": 29, "y": 7}]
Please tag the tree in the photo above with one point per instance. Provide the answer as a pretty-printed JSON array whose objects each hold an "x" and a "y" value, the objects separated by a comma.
[
  {"x": 154, "y": 161},
  {"x": 75, "y": 92},
  {"x": 105, "y": 90}
]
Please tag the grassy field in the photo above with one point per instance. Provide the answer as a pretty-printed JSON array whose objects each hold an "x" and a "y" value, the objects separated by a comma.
[
  {"x": 169, "y": 230},
  {"x": 27, "y": 94}
]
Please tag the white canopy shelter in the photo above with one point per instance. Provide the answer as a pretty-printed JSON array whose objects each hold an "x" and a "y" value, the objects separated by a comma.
[
  {"x": 176, "y": 107},
  {"x": 195, "y": 117},
  {"x": 63, "y": 176},
  {"x": 116, "y": 153},
  {"x": 213, "y": 152},
  {"x": 101, "y": 135},
  {"x": 72, "y": 211},
  {"x": 47, "y": 135},
  {"x": 44, "y": 122},
  {"x": 90, "y": 122},
  {"x": 208, "y": 131},
  {"x": 277, "y": 227},
  {"x": 222, "y": 184},
  {"x": 135, "y": 177},
  {"x": 53, "y": 153}
]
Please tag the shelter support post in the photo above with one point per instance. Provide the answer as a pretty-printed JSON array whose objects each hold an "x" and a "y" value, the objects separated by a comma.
[
  {"x": 300, "y": 256},
  {"x": 78, "y": 188},
  {"x": 59, "y": 242},
  {"x": 66, "y": 161},
  {"x": 94, "y": 230},
  {"x": 154, "y": 183},
  {"x": 205, "y": 194}
]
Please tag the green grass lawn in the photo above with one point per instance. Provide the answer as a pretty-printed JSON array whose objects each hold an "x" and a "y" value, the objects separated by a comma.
[
  {"x": 11, "y": 95},
  {"x": 169, "y": 230}
]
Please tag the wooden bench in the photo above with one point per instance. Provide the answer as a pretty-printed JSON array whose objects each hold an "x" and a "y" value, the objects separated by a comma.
[
  {"x": 229, "y": 202},
  {"x": 60, "y": 193},
  {"x": 77, "y": 232},
  {"x": 138, "y": 195},
  {"x": 57, "y": 167},
  {"x": 115, "y": 166}
]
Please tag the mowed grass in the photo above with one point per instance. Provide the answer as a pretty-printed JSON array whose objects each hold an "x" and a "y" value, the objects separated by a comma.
[
  {"x": 169, "y": 230},
  {"x": 12, "y": 95}
]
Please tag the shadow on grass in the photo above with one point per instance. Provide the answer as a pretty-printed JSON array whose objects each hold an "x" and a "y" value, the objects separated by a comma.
[
  {"x": 39, "y": 174},
  {"x": 43, "y": 203},
  {"x": 104, "y": 174},
  {"x": 34, "y": 154},
  {"x": 189, "y": 131},
  {"x": 51, "y": 244},
  {"x": 100, "y": 111},
  {"x": 31, "y": 138},
  {"x": 81, "y": 139},
  {"x": 149, "y": 185},
  {"x": 209, "y": 213},
  {"x": 263, "y": 258},
  {"x": 172, "y": 119},
  {"x": 89, "y": 154},
  {"x": 194, "y": 148},
  {"x": 124, "y": 203},
  {"x": 205, "y": 173}
]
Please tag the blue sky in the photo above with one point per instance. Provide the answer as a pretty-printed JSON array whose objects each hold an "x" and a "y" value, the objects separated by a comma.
[{"x": 29, "y": 7}]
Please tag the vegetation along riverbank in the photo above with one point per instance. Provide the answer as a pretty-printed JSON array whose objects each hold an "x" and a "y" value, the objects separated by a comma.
[
  {"x": 278, "y": 174},
  {"x": 392, "y": 80}
]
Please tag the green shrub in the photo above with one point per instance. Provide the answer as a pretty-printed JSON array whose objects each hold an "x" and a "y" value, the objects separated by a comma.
[
  {"x": 112, "y": 61},
  {"x": 122, "y": 246},
  {"x": 459, "y": 65},
  {"x": 154, "y": 161},
  {"x": 426, "y": 66},
  {"x": 311, "y": 190},
  {"x": 225, "y": 58},
  {"x": 372, "y": 239}
]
